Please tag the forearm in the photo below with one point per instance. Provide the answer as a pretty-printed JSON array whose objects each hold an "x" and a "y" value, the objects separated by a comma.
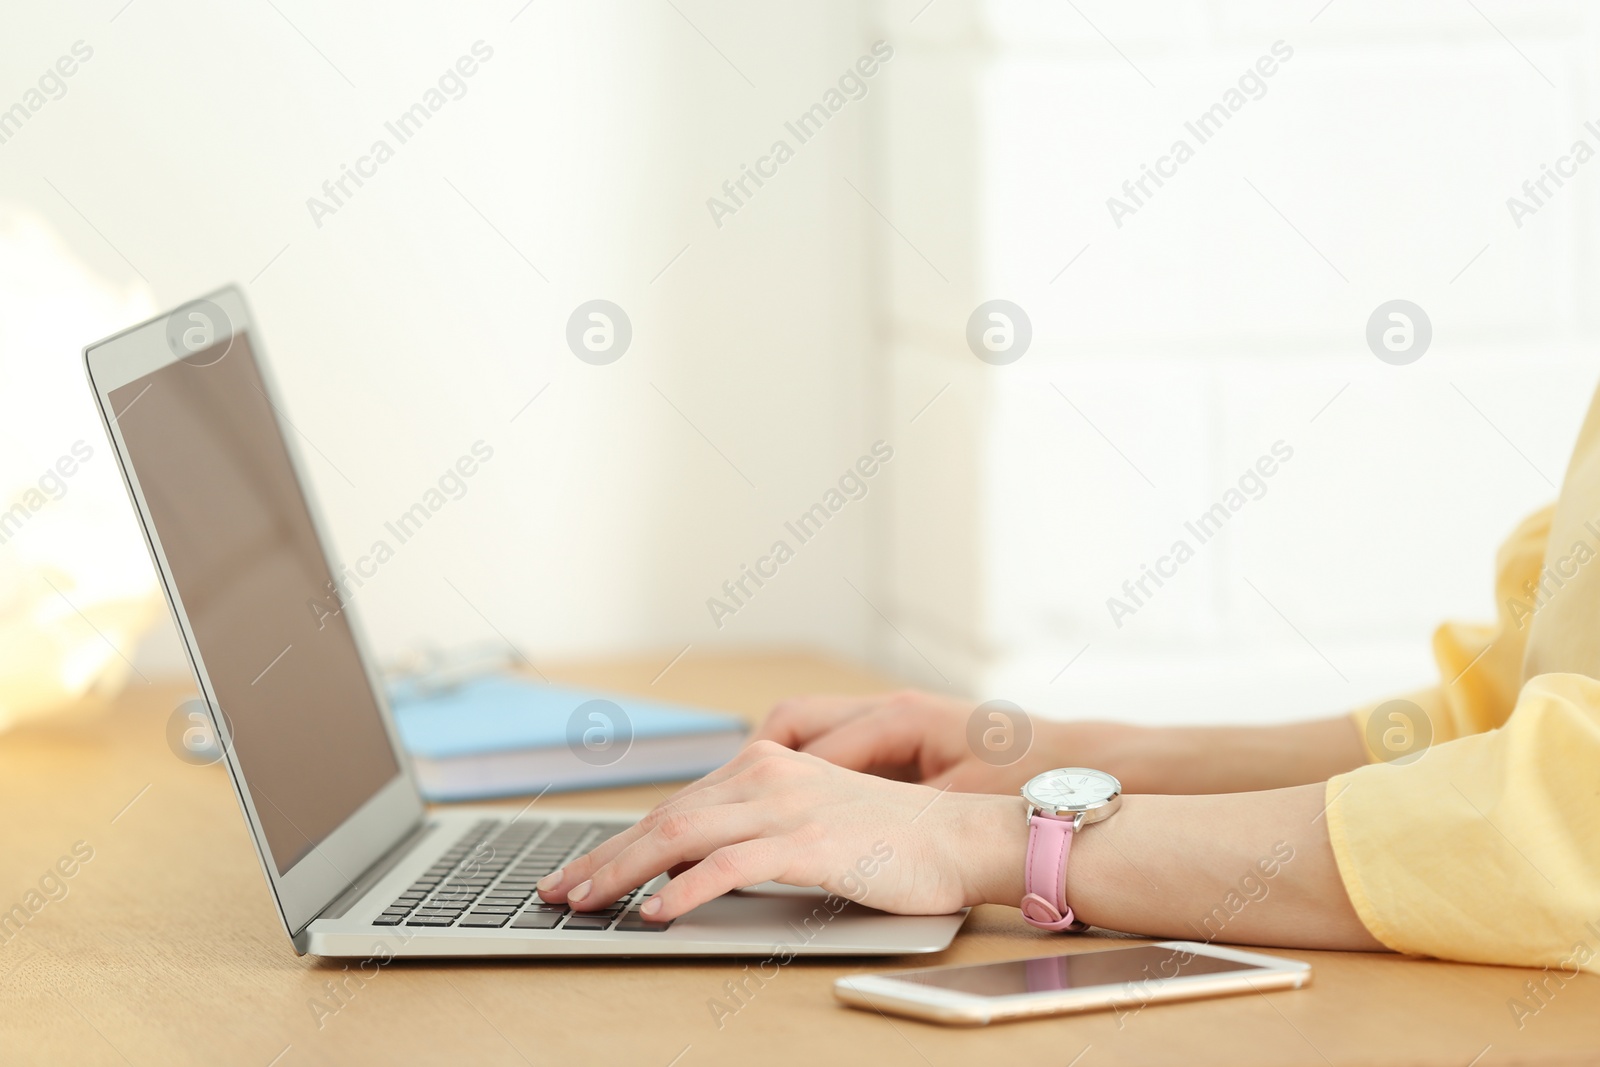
[
  {"x": 1248, "y": 868},
  {"x": 1214, "y": 759}
]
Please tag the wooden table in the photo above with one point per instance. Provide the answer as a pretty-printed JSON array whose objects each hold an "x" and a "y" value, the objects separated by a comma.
[{"x": 165, "y": 949}]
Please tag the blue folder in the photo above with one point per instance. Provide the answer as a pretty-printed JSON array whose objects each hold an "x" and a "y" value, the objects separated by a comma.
[{"x": 499, "y": 735}]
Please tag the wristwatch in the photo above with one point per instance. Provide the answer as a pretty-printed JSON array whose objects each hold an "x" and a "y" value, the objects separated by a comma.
[{"x": 1060, "y": 803}]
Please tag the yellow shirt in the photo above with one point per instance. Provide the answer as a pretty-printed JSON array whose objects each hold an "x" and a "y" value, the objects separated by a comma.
[{"x": 1486, "y": 847}]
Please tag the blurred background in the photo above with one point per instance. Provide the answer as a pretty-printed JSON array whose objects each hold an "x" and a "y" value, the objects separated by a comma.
[{"x": 781, "y": 330}]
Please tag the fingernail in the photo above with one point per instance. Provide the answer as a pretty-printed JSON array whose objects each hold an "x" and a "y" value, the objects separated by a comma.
[
  {"x": 550, "y": 881},
  {"x": 651, "y": 906},
  {"x": 581, "y": 891}
]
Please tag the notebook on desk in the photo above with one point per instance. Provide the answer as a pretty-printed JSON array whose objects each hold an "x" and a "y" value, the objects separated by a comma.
[{"x": 500, "y": 735}]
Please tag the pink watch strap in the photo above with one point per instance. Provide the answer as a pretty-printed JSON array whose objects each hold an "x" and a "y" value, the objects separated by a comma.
[{"x": 1044, "y": 903}]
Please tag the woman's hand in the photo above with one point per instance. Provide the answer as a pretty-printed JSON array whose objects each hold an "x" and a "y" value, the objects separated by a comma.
[
  {"x": 919, "y": 737},
  {"x": 772, "y": 814}
]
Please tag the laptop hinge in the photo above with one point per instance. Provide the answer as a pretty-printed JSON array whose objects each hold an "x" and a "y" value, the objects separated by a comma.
[{"x": 370, "y": 877}]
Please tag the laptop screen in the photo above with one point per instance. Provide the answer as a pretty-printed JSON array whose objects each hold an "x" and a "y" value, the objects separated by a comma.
[{"x": 257, "y": 589}]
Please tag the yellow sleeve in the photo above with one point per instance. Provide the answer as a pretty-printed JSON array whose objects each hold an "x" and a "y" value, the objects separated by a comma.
[
  {"x": 1480, "y": 666},
  {"x": 1486, "y": 848}
]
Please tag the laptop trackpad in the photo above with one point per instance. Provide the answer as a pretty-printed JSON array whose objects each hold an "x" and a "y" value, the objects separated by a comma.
[{"x": 790, "y": 915}]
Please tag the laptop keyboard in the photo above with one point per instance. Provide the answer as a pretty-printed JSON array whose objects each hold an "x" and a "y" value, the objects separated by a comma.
[{"x": 486, "y": 881}]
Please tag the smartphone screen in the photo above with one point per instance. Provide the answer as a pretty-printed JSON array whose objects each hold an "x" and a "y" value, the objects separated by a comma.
[{"x": 1113, "y": 967}]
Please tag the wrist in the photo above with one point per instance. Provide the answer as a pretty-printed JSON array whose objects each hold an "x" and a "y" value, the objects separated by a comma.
[
  {"x": 994, "y": 847},
  {"x": 1106, "y": 864}
]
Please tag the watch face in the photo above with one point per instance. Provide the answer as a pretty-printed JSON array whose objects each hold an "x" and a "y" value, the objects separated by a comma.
[{"x": 1071, "y": 789}]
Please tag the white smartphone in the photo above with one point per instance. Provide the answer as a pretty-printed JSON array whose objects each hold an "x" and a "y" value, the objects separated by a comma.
[{"x": 1122, "y": 979}]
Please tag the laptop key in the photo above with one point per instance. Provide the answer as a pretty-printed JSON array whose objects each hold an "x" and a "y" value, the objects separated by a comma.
[
  {"x": 493, "y": 871},
  {"x": 633, "y": 920}
]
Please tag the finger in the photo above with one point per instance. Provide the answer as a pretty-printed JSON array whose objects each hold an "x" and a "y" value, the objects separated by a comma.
[
  {"x": 887, "y": 737},
  {"x": 688, "y": 796},
  {"x": 554, "y": 886},
  {"x": 795, "y": 721},
  {"x": 728, "y": 868},
  {"x": 683, "y": 837}
]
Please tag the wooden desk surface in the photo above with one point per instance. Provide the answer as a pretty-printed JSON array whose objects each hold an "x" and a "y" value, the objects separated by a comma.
[{"x": 166, "y": 950}]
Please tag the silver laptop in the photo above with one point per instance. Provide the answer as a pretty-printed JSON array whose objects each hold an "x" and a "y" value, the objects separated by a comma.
[{"x": 356, "y": 863}]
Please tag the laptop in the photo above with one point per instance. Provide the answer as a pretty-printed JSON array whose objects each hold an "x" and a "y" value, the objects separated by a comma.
[{"x": 357, "y": 865}]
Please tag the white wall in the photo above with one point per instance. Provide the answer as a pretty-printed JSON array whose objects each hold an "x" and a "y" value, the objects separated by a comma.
[
  {"x": 1183, "y": 343},
  {"x": 404, "y": 327},
  {"x": 830, "y": 310}
]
